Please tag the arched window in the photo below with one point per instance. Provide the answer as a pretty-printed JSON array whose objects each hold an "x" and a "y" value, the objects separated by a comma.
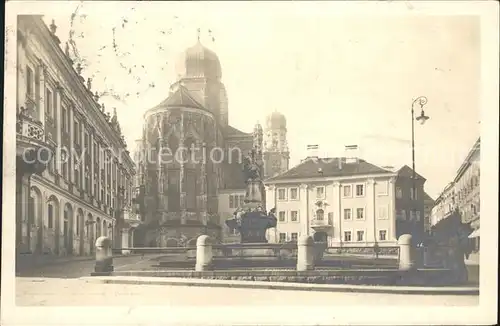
[
  {"x": 191, "y": 191},
  {"x": 173, "y": 145},
  {"x": 320, "y": 214},
  {"x": 189, "y": 145},
  {"x": 173, "y": 190},
  {"x": 104, "y": 229}
]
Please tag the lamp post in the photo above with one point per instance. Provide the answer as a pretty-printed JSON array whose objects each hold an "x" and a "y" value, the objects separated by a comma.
[{"x": 422, "y": 118}]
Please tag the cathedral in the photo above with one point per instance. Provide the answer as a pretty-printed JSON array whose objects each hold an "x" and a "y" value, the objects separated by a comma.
[{"x": 187, "y": 158}]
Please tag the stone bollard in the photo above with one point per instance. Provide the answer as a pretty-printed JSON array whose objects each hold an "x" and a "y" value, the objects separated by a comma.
[
  {"x": 406, "y": 253},
  {"x": 103, "y": 256},
  {"x": 306, "y": 252},
  {"x": 203, "y": 253}
]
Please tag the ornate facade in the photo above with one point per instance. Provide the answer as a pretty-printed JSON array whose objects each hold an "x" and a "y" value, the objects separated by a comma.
[
  {"x": 83, "y": 188},
  {"x": 189, "y": 154}
]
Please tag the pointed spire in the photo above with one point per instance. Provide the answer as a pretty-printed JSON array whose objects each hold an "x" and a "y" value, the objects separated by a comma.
[{"x": 89, "y": 83}]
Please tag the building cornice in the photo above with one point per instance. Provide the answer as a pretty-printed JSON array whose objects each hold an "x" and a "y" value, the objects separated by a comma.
[
  {"x": 78, "y": 87},
  {"x": 467, "y": 162},
  {"x": 329, "y": 179}
]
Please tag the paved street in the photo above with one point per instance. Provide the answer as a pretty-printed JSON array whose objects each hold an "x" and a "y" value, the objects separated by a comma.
[
  {"x": 79, "y": 268},
  {"x": 71, "y": 292},
  {"x": 59, "y": 284}
]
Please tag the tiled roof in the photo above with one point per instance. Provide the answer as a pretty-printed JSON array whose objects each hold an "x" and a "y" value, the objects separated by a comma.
[
  {"x": 232, "y": 131},
  {"x": 406, "y": 171},
  {"x": 330, "y": 167},
  {"x": 181, "y": 97},
  {"x": 427, "y": 197}
]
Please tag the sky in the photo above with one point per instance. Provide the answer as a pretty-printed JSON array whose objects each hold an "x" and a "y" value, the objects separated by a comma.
[{"x": 339, "y": 79}]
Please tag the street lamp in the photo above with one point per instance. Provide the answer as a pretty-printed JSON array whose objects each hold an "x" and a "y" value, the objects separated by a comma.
[{"x": 422, "y": 118}]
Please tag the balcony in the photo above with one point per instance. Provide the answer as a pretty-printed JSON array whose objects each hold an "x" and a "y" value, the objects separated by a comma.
[
  {"x": 33, "y": 149},
  {"x": 131, "y": 218},
  {"x": 321, "y": 224},
  {"x": 30, "y": 129}
]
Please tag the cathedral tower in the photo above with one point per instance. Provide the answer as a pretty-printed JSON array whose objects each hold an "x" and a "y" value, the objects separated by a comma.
[
  {"x": 275, "y": 148},
  {"x": 199, "y": 70}
]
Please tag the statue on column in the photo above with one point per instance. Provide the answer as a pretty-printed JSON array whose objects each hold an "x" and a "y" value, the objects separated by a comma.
[{"x": 251, "y": 220}]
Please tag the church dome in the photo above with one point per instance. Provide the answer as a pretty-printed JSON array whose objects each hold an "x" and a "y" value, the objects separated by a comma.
[
  {"x": 198, "y": 61},
  {"x": 276, "y": 120}
]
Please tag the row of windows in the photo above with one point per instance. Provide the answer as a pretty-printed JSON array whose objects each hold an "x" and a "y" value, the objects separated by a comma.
[
  {"x": 293, "y": 237},
  {"x": 360, "y": 236},
  {"x": 236, "y": 201},
  {"x": 81, "y": 175},
  {"x": 294, "y": 216},
  {"x": 408, "y": 215},
  {"x": 413, "y": 195},
  {"x": 347, "y": 236},
  {"x": 348, "y": 214},
  {"x": 347, "y": 192}
]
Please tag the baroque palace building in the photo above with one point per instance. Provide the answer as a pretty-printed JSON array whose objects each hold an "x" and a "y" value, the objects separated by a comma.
[
  {"x": 345, "y": 201},
  {"x": 189, "y": 176},
  {"x": 85, "y": 189}
]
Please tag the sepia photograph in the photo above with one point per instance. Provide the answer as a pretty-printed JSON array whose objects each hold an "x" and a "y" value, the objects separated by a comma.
[{"x": 250, "y": 162}]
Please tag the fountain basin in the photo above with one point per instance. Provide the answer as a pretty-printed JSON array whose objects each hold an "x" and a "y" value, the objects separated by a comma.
[{"x": 420, "y": 277}]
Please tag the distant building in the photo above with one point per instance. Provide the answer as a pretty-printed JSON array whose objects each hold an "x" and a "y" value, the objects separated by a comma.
[
  {"x": 460, "y": 200},
  {"x": 410, "y": 203},
  {"x": 85, "y": 190},
  {"x": 444, "y": 205},
  {"x": 276, "y": 155},
  {"x": 428, "y": 204},
  {"x": 467, "y": 185},
  {"x": 342, "y": 201}
]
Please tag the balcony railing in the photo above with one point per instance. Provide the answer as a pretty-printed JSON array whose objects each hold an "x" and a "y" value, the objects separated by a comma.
[
  {"x": 320, "y": 222},
  {"x": 30, "y": 128},
  {"x": 130, "y": 215}
]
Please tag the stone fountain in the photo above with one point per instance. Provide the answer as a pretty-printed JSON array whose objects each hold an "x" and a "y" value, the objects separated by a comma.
[{"x": 251, "y": 220}]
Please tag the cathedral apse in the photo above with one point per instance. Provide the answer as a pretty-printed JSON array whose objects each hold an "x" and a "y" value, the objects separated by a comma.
[{"x": 189, "y": 156}]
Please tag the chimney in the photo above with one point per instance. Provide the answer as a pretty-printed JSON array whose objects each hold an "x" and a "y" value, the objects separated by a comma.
[
  {"x": 351, "y": 154},
  {"x": 312, "y": 151}
]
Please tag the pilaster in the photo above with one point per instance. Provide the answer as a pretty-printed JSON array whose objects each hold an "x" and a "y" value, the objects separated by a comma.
[
  {"x": 82, "y": 162},
  {"x": 304, "y": 211},
  {"x": 337, "y": 213},
  {"x": 92, "y": 160},
  {"x": 392, "y": 210},
  {"x": 71, "y": 129},
  {"x": 370, "y": 213},
  {"x": 41, "y": 91},
  {"x": 58, "y": 125},
  {"x": 22, "y": 203},
  {"x": 182, "y": 189},
  {"x": 105, "y": 164}
]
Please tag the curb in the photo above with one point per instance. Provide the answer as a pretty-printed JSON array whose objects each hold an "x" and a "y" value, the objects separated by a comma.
[{"x": 282, "y": 285}]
